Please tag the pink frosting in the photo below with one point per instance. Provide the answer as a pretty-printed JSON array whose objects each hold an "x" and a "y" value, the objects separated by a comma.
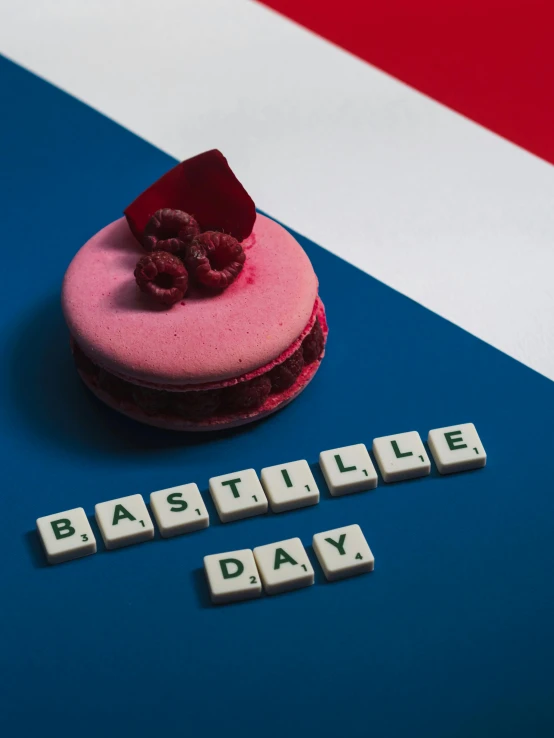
[{"x": 204, "y": 339}]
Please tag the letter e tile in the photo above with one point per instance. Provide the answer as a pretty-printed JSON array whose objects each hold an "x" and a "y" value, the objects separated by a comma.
[{"x": 457, "y": 448}]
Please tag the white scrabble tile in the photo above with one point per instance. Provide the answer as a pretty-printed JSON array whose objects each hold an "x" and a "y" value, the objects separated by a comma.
[
  {"x": 232, "y": 576},
  {"x": 348, "y": 469},
  {"x": 66, "y": 535},
  {"x": 401, "y": 456},
  {"x": 284, "y": 566},
  {"x": 238, "y": 495},
  {"x": 179, "y": 510},
  {"x": 124, "y": 521},
  {"x": 343, "y": 552},
  {"x": 456, "y": 448},
  {"x": 290, "y": 486}
]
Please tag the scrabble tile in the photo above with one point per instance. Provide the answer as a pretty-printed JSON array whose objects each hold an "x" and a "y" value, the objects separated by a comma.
[
  {"x": 343, "y": 552},
  {"x": 179, "y": 510},
  {"x": 401, "y": 456},
  {"x": 290, "y": 486},
  {"x": 348, "y": 469},
  {"x": 238, "y": 495},
  {"x": 284, "y": 566},
  {"x": 232, "y": 576},
  {"x": 66, "y": 535},
  {"x": 457, "y": 448},
  {"x": 124, "y": 521}
]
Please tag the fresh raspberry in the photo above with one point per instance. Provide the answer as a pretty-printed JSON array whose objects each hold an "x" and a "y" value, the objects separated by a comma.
[
  {"x": 169, "y": 230},
  {"x": 163, "y": 276},
  {"x": 196, "y": 405},
  {"x": 151, "y": 401},
  {"x": 247, "y": 395},
  {"x": 215, "y": 259},
  {"x": 83, "y": 363},
  {"x": 313, "y": 344},
  {"x": 114, "y": 386},
  {"x": 285, "y": 375}
]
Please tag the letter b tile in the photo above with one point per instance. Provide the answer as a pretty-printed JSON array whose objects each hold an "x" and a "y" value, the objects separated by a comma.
[
  {"x": 66, "y": 536},
  {"x": 232, "y": 576}
]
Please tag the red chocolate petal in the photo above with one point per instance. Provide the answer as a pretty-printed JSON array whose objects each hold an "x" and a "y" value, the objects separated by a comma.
[{"x": 203, "y": 186}]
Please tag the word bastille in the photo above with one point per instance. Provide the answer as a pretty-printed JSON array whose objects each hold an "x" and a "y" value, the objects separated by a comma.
[{"x": 238, "y": 495}]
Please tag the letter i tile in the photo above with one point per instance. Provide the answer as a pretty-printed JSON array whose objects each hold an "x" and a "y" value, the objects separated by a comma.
[
  {"x": 66, "y": 536},
  {"x": 290, "y": 486},
  {"x": 232, "y": 576},
  {"x": 238, "y": 495},
  {"x": 348, "y": 469}
]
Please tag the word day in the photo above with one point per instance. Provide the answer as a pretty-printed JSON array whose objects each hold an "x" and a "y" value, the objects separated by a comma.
[
  {"x": 243, "y": 494},
  {"x": 285, "y": 566}
]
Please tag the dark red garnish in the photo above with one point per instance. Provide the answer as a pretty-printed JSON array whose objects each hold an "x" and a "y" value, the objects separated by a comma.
[
  {"x": 196, "y": 405},
  {"x": 151, "y": 401},
  {"x": 169, "y": 230},
  {"x": 204, "y": 186},
  {"x": 313, "y": 344},
  {"x": 247, "y": 395},
  {"x": 285, "y": 375},
  {"x": 163, "y": 276},
  {"x": 215, "y": 259}
]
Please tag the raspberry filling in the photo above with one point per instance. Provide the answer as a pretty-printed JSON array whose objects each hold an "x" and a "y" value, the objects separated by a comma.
[{"x": 197, "y": 405}]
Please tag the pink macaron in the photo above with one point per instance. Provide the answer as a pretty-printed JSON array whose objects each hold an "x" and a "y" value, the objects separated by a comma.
[{"x": 212, "y": 359}]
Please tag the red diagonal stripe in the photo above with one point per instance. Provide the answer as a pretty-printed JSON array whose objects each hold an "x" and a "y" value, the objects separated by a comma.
[{"x": 491, "y": 60}]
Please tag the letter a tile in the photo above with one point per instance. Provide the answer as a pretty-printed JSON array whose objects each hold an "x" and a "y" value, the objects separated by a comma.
[
  {"x": 232, "y": 576},
  {"x": 124, "y": 521},
  {"x": 284, "y": 566}
]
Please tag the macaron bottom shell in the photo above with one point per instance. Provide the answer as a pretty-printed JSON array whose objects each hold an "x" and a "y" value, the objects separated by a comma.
[
  {"x": 222, "y": 420},
  {"x": 219, "y": 422}
]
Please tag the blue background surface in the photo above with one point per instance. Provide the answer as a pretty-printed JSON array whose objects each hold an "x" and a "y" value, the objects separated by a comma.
[{"x": 450, "y": 636}]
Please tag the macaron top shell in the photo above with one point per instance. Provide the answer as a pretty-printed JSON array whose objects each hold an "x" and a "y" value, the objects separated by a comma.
[{"x": 207, "y": 337}]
